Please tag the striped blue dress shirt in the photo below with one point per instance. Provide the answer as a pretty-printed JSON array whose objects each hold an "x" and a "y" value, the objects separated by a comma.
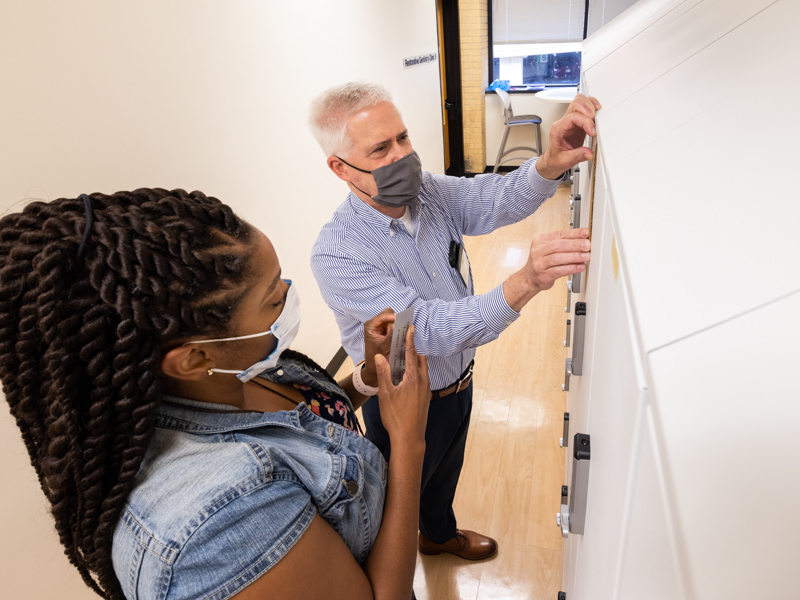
[{"x": 365, "y": 261}]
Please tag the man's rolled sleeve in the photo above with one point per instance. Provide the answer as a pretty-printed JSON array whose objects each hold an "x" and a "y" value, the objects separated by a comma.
[
  {"x": 484, "y": 203},
  {"x": 357, "y": 291},
  {"x": 495, "y": 311},
  {"x": 540, "y": 185}
]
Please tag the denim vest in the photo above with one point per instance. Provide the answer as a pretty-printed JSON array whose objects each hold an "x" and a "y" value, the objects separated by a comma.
[{"x": 222, "y": 495}]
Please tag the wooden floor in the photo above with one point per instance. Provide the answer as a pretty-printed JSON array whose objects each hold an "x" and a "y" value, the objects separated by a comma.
[{"x": 514, "y": 468}]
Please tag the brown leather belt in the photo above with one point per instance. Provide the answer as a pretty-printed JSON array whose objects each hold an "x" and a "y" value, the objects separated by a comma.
[{"x": 459, "y": 385}]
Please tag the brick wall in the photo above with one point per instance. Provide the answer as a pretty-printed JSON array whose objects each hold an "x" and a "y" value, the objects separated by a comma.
[{"x": 473, "y": 23}]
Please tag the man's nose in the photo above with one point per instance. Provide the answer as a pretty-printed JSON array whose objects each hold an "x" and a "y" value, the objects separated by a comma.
[{"x": 398, "y": 152}]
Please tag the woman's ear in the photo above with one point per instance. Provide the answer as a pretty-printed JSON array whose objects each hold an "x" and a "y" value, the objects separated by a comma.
[{"x": 186, "y": 363}]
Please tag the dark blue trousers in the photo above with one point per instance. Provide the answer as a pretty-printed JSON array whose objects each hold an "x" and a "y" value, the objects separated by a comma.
[{"x": 445, "y": 439}]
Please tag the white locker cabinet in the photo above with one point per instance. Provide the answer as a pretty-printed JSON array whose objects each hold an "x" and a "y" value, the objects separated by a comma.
[{"x": 692, "y": 307}]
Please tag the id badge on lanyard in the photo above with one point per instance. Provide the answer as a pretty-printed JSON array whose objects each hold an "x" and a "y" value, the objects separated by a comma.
[{"x": 460, "y": 261}]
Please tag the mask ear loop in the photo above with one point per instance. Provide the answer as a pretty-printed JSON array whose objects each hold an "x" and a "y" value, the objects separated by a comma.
[
  {"x": 352, "y": 166},
  {"x": 229, "y": 339},
  {"x": 357, "y": 169}
]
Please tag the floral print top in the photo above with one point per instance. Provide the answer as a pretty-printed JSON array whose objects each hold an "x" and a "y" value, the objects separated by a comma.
[{"x": 328, "y": 407}]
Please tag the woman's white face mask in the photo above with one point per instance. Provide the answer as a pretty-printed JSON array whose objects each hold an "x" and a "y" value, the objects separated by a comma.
[{"x": 284, "y": 329}]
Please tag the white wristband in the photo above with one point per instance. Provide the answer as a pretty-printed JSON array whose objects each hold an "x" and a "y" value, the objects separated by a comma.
[{"x": 358, "y": 383}]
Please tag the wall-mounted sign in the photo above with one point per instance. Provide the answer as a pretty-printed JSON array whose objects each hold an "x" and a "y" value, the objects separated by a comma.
[{"x": 419, "y": 60}]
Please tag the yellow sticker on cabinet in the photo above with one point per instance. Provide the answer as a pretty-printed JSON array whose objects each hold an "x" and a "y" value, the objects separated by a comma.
[{"x": 614, "y": 256}]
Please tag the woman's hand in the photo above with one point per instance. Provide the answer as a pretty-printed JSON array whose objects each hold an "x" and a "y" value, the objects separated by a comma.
[
  {"x": 404, "y": 407},
  {"x": 377, "y": 340}
]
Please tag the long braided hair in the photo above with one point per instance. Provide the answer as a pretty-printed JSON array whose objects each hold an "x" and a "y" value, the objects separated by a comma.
[{"x": 80, "y": 341}]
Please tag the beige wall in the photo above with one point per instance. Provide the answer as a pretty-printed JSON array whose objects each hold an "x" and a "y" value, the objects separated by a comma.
[{"x": 106, "y": 96}]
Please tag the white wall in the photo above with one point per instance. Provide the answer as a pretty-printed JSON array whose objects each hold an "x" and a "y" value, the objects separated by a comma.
[{"x": 107, "y": 96}]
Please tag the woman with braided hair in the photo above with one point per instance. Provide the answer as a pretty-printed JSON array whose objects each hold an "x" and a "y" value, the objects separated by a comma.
[{"x": 178, "y": 460}]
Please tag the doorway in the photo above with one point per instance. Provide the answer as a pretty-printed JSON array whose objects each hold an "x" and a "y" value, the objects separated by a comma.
[{"x": 450, "y": 69}]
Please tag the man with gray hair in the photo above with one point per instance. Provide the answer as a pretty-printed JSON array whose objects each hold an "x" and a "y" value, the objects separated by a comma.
[{"x": 397, "y": 241}]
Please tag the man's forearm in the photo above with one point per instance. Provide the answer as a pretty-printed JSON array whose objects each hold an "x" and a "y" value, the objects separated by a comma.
[
  {"x": 518, "y": 290},
  {"x": 544, "y": 169}
]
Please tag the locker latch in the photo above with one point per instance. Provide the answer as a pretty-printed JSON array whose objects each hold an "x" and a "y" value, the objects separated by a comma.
[
  {"x": 569, "y": 297},
  {"x": 581, "y": 455},
  {"x": 567, "y": 375},
  {"x": 575, "y": 208},
  {"x": 575, "y": 282},
  {"x": 562, "y": 518},
  {"x": 578, "y": 337}
]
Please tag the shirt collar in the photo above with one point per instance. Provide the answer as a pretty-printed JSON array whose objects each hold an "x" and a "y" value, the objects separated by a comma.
[{"x": 368, "y": 214}]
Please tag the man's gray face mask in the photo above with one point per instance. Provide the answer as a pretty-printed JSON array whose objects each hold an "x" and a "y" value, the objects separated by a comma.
[{"x": 398, "y": 182}]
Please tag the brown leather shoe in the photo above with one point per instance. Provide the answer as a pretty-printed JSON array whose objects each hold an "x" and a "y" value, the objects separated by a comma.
[{"x": 466, "y": 544}]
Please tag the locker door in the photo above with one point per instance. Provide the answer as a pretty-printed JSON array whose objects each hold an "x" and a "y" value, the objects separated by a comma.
[
  {"x": 579, "y": 397},
  {"x": 617, "y": 393},
  {"x": 603, "y": 403},
  {"x": 727, "y": 409},
  {"x": 649, "y": 565}
]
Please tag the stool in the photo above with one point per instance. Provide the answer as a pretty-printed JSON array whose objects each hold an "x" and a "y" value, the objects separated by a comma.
[{"x": 518, "y": 121}]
